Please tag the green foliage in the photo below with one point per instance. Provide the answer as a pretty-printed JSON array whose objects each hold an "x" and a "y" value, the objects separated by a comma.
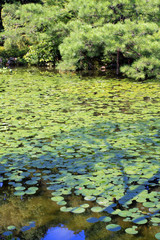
[
  {"x": 41, "y": 53},
  {"x": 97, "y": 37},
  {"x": 32, "y": 29},
  {"x": 78, "y": 34},
  {"x": 2, "y": 51},
  {"x": 143, "y": 68},
  {"x": 139, "y": 44}
]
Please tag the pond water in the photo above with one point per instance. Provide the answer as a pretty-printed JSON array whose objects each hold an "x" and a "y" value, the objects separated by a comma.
[{"x": 79, "y": 157}]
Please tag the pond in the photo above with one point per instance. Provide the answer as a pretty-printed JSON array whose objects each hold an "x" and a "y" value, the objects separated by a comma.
[{"x": 79, "y": 157}]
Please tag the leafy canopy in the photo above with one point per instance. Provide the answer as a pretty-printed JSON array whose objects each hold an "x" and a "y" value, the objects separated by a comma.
[{"x": 78, "y": 34}]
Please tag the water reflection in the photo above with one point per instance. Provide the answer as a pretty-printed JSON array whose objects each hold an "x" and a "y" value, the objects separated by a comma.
[{"x": 63, "y": 233}]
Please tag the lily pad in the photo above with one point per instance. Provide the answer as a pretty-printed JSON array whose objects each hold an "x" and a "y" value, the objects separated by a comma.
[
  {"x": 7, "y": 233},
  {"x": 62, "y": 203},
  {"x": 97, "y": 209},
  {"x": 19, "y": 193},
  {"x": 113, "y": 227},
  {"x": 25, "y": 228},
  {"x": 92, "y": 220},
  {"x": 19, "y": 188},
  {"x": 105, "y": 219},
  {"x": 57, "y": 199},
  {"x": 11, "y": 227},
  {"x": 131, "y": 231},
  {"x": 31, "y": 190},
  {"x": 31, "y": 182},
  {"x": 149, "y": 204},
  {"x": 157, "y": 236},
  {"x": 65, "y": 209},
  {"x": 140, "y": 220},
  {"x": 155, "y": 220},
  {"x": 90, "y": 198},
  {"x": 85, "y": 205},
  {"x": 78, "y": 210}
]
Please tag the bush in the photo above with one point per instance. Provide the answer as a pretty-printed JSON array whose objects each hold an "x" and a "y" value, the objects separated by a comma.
[{"x": 2, "y": 52}]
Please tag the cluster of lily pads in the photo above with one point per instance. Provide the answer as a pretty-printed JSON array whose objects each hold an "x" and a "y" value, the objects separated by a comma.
[
  {"x": 95, "y": 138},
  {"x": 11, "y": 229}
]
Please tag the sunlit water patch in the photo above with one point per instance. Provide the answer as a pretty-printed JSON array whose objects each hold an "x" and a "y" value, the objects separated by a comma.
[
  {"x": 62, "y": 233},
  {"x": 85, "y": 149}
]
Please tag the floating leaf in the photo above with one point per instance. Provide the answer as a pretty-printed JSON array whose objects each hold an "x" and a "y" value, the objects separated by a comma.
[
  {"x": 131, "y": 231},
  {"x": 78, "y": 210},
  {"x": 149, "y": 204},
  {"x": 90, "y": 198},
  {"x": 7, "y": 233},
  {"x": 62, "y": 203},
  {"x": 65, "y": 209},
  {"x": 25, "y": 228},
  {"x": 19, "y": 188},
  {"x": 31, "y": 182},
  {"x": 19, "y": 193},
  {"x": 92, "y": 220},
  {"x": 125, "y": 213},
  {"x": 97, "y": 209},
  {"x": 57, "y": 199},
  {"x": 85, "y": 205},
  {"x": 140, "y": 220},
  {"x": 157, "y": 236},
  {"x": 31, "y": 190},
  {"x": 113, "y": 227},
  {"x": 155, "y": 220},
  {"x": 105, "y": 219},
  {"x": 11, "y": 227}
]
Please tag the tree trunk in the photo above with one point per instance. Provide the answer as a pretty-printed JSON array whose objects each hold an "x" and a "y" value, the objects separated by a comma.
[
  {"x": 1, "y": 26},
  {"x": 117, "y": 68}
]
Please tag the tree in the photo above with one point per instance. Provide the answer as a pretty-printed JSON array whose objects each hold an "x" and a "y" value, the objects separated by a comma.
[
  {"x": 14, "y": 1},
  {"x": 122, "y": 32},
  {"x": 82, "y": 34}
]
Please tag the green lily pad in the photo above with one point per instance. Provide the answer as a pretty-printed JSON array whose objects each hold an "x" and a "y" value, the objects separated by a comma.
[
  {"x": 62, "y": 203},
  {"x": 155, "y": 224},
  {"x": 78, "y": 210},
  {"x": 85, "y": 205},
  {"x": 140, "y": 220},
  {"x": 128, "y": 219},
  {"x": 125, "y": 213},
  {"x": 90, "y": 198},
  {"x": 149, "y": 204},
  {"x": 31, "y": 182},
  {"x": 97, "y": 209},
  {"x": 11, "y": 227},
  {"x": 155, "y": 220},
  {"x": 113, "y": 227},
  {"x": 131, "y": 231},
  {"x": 65, "y": 209},
  {"x": 19, "y": 193},
  {"x": 57, "y": 199},
  {"x": 157, "y": 236},
  {"x": 56, "y": 193},
  {"x": 31, "y": 190},
  {"x": 19, "y": 188},
  {"x": 105, "y": 219}
]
